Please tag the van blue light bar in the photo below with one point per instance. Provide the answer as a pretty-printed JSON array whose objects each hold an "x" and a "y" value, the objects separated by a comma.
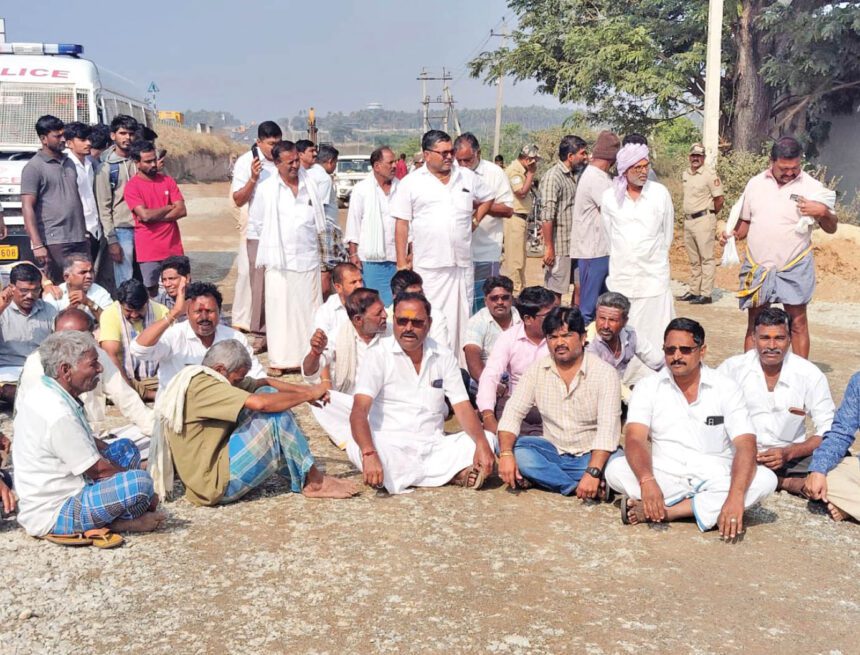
[{"x": 72, "y": 49}]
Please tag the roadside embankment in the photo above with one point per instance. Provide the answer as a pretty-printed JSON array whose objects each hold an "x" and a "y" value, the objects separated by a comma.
[{"x": 194, "y": 157}]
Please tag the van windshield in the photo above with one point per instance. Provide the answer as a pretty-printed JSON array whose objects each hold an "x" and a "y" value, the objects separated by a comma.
[{"x": 353, "y": 166}]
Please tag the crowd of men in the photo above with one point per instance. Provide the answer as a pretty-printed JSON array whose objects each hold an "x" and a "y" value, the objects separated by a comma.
[{"x": 416, "y": 314}]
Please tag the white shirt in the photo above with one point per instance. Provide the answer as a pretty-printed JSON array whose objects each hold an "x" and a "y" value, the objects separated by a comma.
[
  {"x": 640, "y": 235},
  {"x": 179, "y": 347},
  {"x": 440, "y": 215},
  {"x": 241, "y": 175},
  {"x": 86, "y": 180},
  {"x": 330, "y": 316},
  {"x": 438, "y": 327},
  {"x": 405, "y": 401},
  {"x": 110, "y": 385},
  {"x": 297, "y": 227},
  {"x": 51, "y": 451},
  {"x": 801, "y": 386},
  {"x": 682, "y": 442},
  {"x": 487, "y": 237},
  {"x": 326, "y": 190},
  {"x": 330, "y": 356},
  {"x": 98, "y": 294},
  {"x": 363, "y": 193},
  {"x": 482, "y": 330}
]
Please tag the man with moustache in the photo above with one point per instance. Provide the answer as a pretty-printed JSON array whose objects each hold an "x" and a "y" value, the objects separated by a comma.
[
  {"x": 640, "y": 219},
  {"x": 781, "y": 207},
  {"x": 781, "y": 389},
  {"x": 174, "y": 345},
  {"x": 485, "y": 327},
  {"x": 701, "y": 459},
  {"x": 579, "y": 399},
  {"x": 399, "y": 411},
  {"x": 369, "y": 231},
  {"x": 337, "y": 361}
]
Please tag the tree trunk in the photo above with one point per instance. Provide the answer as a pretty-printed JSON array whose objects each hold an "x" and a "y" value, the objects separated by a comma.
[{"x": 753, "y": 98}]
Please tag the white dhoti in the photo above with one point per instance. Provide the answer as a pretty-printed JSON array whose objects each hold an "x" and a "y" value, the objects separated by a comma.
[
  {"x": 291, "y": 299},
  {"x": 450, "y": 291},
  {"x": 708, "y": 496},
  {"x": 411, "y": 460},
  {"x": 334, "y": 418},
  {"x": 240, "y": 312},
  {"x": 649, "y": 317}
]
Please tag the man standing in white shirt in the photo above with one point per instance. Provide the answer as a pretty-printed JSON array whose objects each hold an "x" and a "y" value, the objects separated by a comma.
[
  {"x": 294, "y": 226},
  {"x": 399, "y": 410},
  {"x": 437, "y": 201},
  {"x": 781, "y": 389},
  {"x": 251, "y": 169},
  {"x": 640, "y": 220},
  {"x": 487, "y": 237},
  {"x": 370, "y": 227},
  {"x": 701, "y": 462}
]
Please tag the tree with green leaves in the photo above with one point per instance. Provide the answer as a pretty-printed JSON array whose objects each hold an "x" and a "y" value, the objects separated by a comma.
[{"x": 787, "y": 64}]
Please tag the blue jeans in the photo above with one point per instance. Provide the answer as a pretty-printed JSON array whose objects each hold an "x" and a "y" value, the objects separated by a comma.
[
  {"x": 592, "y": 282},
  {"x": 540, "y": 462},
  {"x": 377, "y": 275},
  {"x": 123, "y": 270}
]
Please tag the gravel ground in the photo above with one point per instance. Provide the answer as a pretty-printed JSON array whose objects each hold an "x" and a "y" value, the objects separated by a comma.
[{"x": 445, "y": 570}]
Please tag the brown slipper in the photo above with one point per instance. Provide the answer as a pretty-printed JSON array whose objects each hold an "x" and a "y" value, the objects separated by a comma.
[
  {"x": 73, "y": 540},
  {"x": 104, "y": 538}
]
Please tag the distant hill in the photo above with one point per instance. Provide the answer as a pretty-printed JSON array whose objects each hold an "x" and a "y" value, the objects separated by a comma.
[{"x": 216, "y": 119}]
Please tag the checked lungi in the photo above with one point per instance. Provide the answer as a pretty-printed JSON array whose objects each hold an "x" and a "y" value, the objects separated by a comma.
[
  {"x": 262, "y": 445},
  {"x": 126, "y": 495},
  {"x": 793, "y": 284}
]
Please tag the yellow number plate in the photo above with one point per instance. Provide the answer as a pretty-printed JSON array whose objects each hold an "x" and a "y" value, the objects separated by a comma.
[{"x": 8, "y": 252}]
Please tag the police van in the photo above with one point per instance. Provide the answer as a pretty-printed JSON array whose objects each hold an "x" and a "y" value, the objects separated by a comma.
[{"x": 49, "y": 78}]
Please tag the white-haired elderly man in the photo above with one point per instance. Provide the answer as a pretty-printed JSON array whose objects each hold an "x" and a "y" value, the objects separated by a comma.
[
  {"x": 72, "y": 485},
  {"x": 228, "y": 433}
]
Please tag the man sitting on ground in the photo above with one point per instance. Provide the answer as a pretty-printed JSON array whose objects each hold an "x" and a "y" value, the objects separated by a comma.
[
  {"x": 111, "y": 385},
  {"x": 407, "y": 281},
  {"x": 226, "y": 440},
  {"x": 78, "y": 288},
  {"x": 579, "y": 399},
  {"x": 399, "y": 411},
  {"x": 68, "y": 481},
  {"x": 126, "y": 318},
  {"x": 781, "y": 389},
  {"x": 834, "y": 474},
  {"x": 25, "y": 321},
  {"x": 615, "y": 342},
  {"x": 173, "y": 269},
  {"x": 514, "y": 351},
  {"x": 337, "y": 363},
  {"x": 485, "y": 327},
  {"x": 331, "y": 315},
  {"x": 701, "y": 462},
  {"x": 173, "y": 347}
]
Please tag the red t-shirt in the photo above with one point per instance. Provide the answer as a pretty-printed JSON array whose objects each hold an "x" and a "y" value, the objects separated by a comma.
[
  {"x": 156, "y": 240},
  {"x": 400, "y": 169}
]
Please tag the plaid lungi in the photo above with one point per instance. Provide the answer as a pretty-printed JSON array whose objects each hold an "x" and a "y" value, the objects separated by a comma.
[
  {"x": 264, "y": 444},
  {"x": 125, "y": 495}
]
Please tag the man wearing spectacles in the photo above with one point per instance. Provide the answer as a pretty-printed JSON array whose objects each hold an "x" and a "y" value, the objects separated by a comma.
[
  {"x": 640, "y": 221},
  {"x": 436, "y": 204},
  {"x": 702, "y": 458},
  {"x": 486, "y": 326},
  {"x": 399, "y": 411}
]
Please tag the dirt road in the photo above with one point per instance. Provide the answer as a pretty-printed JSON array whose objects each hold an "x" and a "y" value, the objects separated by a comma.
[{"x": 447, "y": 570}]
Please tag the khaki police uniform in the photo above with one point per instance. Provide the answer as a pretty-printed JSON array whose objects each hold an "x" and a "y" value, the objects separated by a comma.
[
  {"x": 700, "y": 226},
  {"x": 516, "y": 227}
]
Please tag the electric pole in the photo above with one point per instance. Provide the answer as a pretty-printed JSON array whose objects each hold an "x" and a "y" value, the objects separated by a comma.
[
  {"x": 497, "y": 135},
  {"x": 713, "y": 65},
  {"x": 444, "y": 99}
]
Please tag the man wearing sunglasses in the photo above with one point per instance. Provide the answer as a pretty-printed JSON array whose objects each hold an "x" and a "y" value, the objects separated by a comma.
[
  {"x": 436, "y": 204},
  {"x": 702, "y": 458},
  {"x": 486, "y": 326},
  {"x": 398, "y": 411}
]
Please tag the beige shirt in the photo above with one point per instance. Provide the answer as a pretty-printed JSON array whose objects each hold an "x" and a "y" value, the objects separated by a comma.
[
  {"x": 576, "y": 420},
  {"x": 516, "y": 173},
  {"x": 700, "y": 189}
]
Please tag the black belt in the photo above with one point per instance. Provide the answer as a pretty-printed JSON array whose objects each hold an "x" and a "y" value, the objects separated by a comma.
[
  {"x": 704, "y": 212},
  {"x": 521, "y": 215}
]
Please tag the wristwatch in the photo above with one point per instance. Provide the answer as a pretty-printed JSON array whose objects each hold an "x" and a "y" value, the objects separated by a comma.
[{"x": 594, "y": 472}]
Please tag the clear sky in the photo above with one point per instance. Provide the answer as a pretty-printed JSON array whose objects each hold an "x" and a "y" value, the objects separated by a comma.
[{"x": 266, "y": 58}]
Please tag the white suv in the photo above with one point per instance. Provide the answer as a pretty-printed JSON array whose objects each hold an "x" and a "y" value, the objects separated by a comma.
[{"x": 351, "y": 169}]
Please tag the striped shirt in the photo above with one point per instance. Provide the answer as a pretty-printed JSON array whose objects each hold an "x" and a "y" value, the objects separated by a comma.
[
  {"x": 557, "y": 191},
  {"x": 576, "y": 420}
]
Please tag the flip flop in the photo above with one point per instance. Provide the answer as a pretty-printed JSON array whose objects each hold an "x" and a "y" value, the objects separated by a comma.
[
  {"x": 104, "y": 538},
  {"x": 625, "y": 510},
  {"x": 73, "y": 540},
  {"x": 480, "y": 477}
]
